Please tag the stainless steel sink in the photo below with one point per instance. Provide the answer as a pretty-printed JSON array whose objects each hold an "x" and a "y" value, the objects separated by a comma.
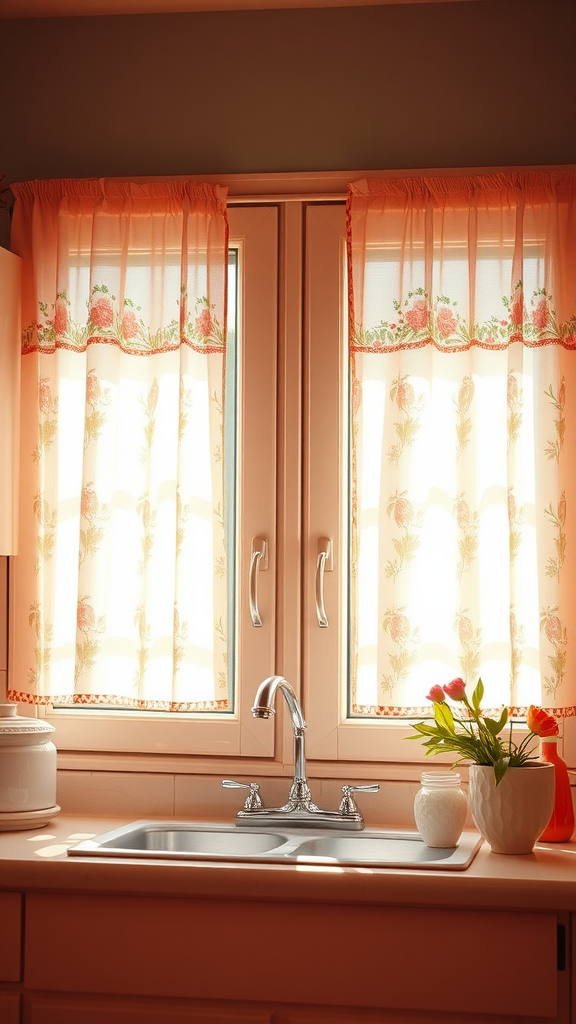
[{"x": 179, "y": 840}]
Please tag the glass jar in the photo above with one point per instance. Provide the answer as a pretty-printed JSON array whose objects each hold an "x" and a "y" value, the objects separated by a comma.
[{"x": 440, "y": 808}]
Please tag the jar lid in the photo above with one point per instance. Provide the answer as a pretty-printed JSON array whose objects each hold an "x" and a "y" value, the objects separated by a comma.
[
  {"x": 11, "y": 723},
  {"x": 440, "y": 778}
]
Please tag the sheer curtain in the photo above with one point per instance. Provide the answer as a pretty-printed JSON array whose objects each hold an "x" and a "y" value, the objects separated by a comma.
[
  {"x": 120, "y": 592},
  {"x": 462, "y": 338}
]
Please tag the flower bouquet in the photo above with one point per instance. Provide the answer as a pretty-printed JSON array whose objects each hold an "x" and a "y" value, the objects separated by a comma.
[{"x": 475, "y": 736}]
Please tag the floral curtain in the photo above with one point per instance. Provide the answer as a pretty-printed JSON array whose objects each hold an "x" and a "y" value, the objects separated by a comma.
[
  {"x": 121, "y": 581},
  {"x": 462, "y": 339}
]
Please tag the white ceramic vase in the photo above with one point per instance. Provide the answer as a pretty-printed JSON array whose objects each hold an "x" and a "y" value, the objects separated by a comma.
[{"x": 513, "y": 814}]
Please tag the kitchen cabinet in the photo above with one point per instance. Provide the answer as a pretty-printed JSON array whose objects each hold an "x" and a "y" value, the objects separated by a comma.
[
  {"x": 10, "y": 936},
  {"x": 119, "y": 959}
]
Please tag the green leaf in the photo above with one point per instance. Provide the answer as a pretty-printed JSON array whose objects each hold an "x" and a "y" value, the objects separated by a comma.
[
  {"x": 426, "y": 730},
  {"x": 500, "y": 767},
  {"x": 502, "y": 720},
  {"x": 444, "y": 717},
  {"x": 492, "y": 726},
  {"x": 478, "y": 694}
]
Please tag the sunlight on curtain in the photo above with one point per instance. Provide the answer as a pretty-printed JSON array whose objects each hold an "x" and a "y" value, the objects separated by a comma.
[
  {"x": 463, "y": 330},
  {"x": 121, "y": 580}
]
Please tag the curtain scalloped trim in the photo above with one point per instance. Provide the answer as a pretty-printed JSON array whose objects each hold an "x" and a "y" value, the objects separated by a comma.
[
  {"x": 393, "y": 711},
  {"x": 107, "y": 700}
]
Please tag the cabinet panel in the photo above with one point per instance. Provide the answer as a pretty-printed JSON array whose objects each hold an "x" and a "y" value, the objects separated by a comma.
[
  {"x": 10, "y": 1007},
  {"x": 10, "y": 936},
  {"x": 247, "y": 950},
  {"x": 42, "y": 1008}
]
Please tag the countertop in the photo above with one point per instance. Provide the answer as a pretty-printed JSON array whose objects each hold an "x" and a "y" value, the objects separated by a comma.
[{"x": 36, "y": 860}]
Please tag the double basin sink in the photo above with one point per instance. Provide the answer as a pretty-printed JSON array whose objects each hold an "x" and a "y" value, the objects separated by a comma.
[{"x": 194, "y": 841}]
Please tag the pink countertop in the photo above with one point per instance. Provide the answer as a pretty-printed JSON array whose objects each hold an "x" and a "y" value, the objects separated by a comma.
[{"x": 36, "y": 859}]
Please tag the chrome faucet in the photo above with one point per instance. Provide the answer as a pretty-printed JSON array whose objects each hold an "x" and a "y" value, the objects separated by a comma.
[{"x": 300, "y": 811}]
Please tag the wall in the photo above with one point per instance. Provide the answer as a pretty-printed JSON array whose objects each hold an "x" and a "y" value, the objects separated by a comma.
[{"x": 398, "y": 86}]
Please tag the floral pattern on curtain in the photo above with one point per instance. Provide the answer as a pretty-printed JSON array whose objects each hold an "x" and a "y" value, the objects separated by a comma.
[
  {"x": 463, "y": 386},
  {"x": 122, "y": 577}
]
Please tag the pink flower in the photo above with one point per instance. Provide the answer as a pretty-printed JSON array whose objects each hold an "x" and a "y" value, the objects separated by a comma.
[
  {"x": 399, "y": 628},
  {"x": 553, "y": 628},
  {"x": 204, "y": 323},
  {"x": 88, "y": 503},
  {"x": 446, "y": 321},
  {"x": 403, "y": 512},
  {"x": 465, "y": 394},
  {"x": 417, "y": 317},
  {"x": 129, "y": 324},
  {"x": 511, "y": 506},
  {"x": 456, "y": 689},
  {"x": 462, "y": 514},
  {"x": 436, "y": 694},
  {"x": 44, "y": 396},
  {"x": 540, "y": 315},
  {"x": 512, "y": 393},
  {"x": 403, "y": 392},
  {"x": 85, "y": 616},
  {"x": 60, "y": 317},
  {"x": 92, "y": 388},
  {"x": 101, "y": 313},
  {"x": 517, "y": 312}
]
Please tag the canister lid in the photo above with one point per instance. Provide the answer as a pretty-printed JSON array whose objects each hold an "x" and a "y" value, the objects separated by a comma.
[{"x": 11, "y": 723}]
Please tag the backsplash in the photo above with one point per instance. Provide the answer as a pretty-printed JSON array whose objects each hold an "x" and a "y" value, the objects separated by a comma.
[{"x": 201, "y": 797}]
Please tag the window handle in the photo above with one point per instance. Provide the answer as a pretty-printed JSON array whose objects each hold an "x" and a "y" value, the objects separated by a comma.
[
  {"x": 324, "y": 563},
  {"x": 258, "y": 561}
]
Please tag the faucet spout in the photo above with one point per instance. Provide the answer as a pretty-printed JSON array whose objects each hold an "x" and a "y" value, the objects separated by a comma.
[{"x": 264, "y": 702}]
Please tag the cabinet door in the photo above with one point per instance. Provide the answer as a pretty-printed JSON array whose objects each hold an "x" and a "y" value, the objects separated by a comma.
[
  {"x": 10, "y": 936},
  {"x": 244, "y": 952},
  {"x": 10, "y": 1007}
]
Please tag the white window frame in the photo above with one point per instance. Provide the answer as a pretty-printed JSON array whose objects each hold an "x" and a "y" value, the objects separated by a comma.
[
  {"x": 332, "y": 735},
  {"x": 254, "y": 232},
  {"x": 295, "y": 416}
]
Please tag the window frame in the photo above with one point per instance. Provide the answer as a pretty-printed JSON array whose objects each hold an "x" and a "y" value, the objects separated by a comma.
[
  {"x": 332, "y": 738},
  {"x": 253, "y": 230}
]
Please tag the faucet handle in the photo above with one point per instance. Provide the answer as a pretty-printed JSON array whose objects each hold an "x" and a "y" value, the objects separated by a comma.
[
  {"x": 347, "y": 804},
  {"x": 253, "y": 800}
]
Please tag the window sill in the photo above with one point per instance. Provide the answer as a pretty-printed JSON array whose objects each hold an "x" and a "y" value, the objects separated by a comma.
[{"x": 243, "y": 767}]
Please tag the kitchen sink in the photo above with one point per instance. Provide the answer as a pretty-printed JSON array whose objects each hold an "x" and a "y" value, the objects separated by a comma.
[{"x": 145, "y": 840}]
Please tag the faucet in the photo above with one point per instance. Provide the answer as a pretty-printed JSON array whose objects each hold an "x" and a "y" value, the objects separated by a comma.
[{"x": 300, "y": 811}]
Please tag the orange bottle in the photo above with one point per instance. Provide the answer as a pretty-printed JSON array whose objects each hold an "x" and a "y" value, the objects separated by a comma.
[{"x": 561, "y": 824}]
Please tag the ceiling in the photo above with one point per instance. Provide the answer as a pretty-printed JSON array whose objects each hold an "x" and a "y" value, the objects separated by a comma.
[{"x": 78, "y": 8}]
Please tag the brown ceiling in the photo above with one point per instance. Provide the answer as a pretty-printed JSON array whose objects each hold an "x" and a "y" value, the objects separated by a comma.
[{"x": 76, "y": 8}]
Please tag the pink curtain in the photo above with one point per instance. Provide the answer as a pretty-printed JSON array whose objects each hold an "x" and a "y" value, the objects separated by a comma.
[
  {"x": 121, "y": 581},
  {"x": 462, "y": 339}
]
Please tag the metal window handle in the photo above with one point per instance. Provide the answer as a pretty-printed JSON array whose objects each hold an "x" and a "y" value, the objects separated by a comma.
[
  {"x": 258, "y": 561},
  {"x": 324, "y": 563}
]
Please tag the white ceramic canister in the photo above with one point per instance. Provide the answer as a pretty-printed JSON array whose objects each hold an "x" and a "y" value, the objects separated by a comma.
[
  {"x": 27, "y": 763},
  {"x": 440, "y": 808}
]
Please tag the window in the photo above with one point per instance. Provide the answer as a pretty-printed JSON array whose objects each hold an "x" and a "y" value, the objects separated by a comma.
[{"x": 289, "y": 442}]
